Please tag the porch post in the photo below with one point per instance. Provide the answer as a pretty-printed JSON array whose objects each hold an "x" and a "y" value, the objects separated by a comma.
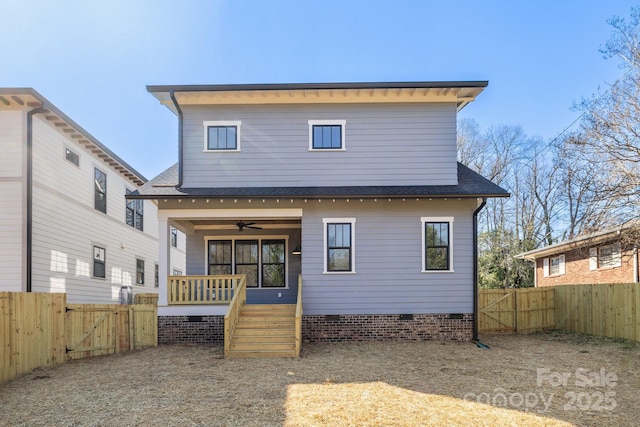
[{"x": 164, "y": 259}]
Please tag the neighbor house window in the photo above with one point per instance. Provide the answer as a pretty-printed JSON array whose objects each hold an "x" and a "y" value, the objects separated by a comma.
[
  {"x": 222, "y": 136},
  {"x": 99, "y": 262},
  {"x": 139, "y": 271},
  {"x": 608, "y": 256},
  {"x": 553, "y": 266},
  {"x": 327, "y": 134},
  {"x": 174, "y": 237},
  {"x": 100, "y": 184},
  {"x": 177, "y": 272},
  {"x": 135, "y": 212},
  {"x": 71, "y": 156},
  {"x": 339, "y": 245},
  {"x": 437, "y": 244}
]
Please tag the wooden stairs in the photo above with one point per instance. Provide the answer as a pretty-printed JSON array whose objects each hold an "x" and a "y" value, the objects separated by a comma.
[{"x": 264, "y": 330}]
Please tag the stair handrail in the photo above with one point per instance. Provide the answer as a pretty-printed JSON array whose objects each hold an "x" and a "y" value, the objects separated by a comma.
[
  {"x": 233, "y": 312},
  {"x": 298, "y": 343}
]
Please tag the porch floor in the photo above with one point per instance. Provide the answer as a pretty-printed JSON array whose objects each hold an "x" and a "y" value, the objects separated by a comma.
[{"x": 264, "y": 330}]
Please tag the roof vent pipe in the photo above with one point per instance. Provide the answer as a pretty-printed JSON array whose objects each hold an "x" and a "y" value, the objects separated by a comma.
[{"x": 180, "y": 137}]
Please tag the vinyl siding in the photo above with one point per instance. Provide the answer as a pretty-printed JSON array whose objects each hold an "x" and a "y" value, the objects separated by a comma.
[
  {"x": 66, "y": 225},
  {"x": 388, "y": 260},
  {"x": 197, "y": 261},
  {"x": 12, "y": 208},
  {"x": 386, "y": 144}
]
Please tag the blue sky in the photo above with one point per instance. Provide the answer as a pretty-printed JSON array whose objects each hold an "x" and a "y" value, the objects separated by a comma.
[{"x": 93, "y": 59}]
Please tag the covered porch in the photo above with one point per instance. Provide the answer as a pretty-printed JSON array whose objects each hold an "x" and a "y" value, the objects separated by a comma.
[{"x": 243, "y": 264}]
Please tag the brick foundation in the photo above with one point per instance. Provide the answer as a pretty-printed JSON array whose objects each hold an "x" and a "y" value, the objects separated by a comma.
[
  {"x": 358, "y": 327},
  {"x": 190, "y": 329},
  {"x": 321, "y": 328}
]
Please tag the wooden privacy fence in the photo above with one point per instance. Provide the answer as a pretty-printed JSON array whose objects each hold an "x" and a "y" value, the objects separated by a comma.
[
  {"x": 608, "y": 310},
  {"x": 40, "y": 330},
  {"x": 515, "y": 310}
]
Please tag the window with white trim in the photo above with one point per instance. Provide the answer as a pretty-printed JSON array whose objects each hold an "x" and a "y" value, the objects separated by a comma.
[
  {"x": 553, "y": 266},
  {"x": 262, "y": 261},
  {"x": 139, "y": 271},
  {"x": 222, "y": 135},
  {"x": 339, "y": 245},
  {"x": 608, "y": 256},
  {"x": 134, "y": 212},
  {"x": 99, "y": 262},
  {"x": 327, "y": 135},
  {"x": 100, "y": 190},
  {"x": 174, "y": 236},
  {"x": 437, "y": 244},
  {"x": 71, "y": 156}
]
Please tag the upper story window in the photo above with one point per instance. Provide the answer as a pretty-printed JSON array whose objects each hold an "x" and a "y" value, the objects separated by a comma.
[
  {"x": 339, "y": 245},
  {"x": 71, "y": 156},
  {"x": 222, "y": 136},
  {"x": 135, "y": 213},
  {"x": 327, "y": 134},
  {"x": 100, "y": 183},
  {"x": 553, "y": 266},
  {"x": 608, "y": 256},
  {"x": 437, "y": 243}
]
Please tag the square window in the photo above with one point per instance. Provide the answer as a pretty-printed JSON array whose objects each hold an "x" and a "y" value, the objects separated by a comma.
[
  {"x": 327, "y": 134},
  {"x": 99, "y": 262},
  {"x": 339, "y": 245},
  {"x": 71, "y": 156},
  {"x": 222, "y": 136},
  {"x": 437, "y": 244}
]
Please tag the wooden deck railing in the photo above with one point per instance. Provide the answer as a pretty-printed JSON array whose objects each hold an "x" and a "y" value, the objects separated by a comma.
[
  {"x": 299, "y": 317},
  {"x": 202, "y": 289},
  {"x": 233, "y": 312}
]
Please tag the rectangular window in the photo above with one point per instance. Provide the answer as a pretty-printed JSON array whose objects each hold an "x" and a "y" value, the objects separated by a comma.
[
  {"x": 247, "y": 261},
  {"x": 437, "y": 244},
  {"x": 177, "y": 272},
  {"x": 174, "y": 237},
  {"x": 156, "y": 283},
  {"x": 553, "y": 266},
  {"x": 609, "y": 256},
  {"x": 220, "y": 261},
  {"x": 135, "y": 213},
  {"x": 261, "y": 260},
  {"x": 327, "y": 134},
  {"x": 273, "y": 268},
  {"x": 100, "y": 183},
  {"x": 339, "y": 245},
  {"x": 222, "y": 136},
  {"x": 139, "y": 271},
  {"x": 71, "y": 156},
  {"x": 99, "y": 262}
]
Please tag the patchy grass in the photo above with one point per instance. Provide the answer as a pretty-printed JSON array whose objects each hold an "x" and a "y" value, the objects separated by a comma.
[{"x": 554, "y": 379}]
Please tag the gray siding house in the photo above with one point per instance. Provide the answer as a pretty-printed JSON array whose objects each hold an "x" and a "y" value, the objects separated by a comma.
[{"x": 351, "y": 189}]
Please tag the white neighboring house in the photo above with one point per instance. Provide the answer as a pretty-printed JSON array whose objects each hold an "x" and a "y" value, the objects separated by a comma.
[{"x": 65, "y": 225}]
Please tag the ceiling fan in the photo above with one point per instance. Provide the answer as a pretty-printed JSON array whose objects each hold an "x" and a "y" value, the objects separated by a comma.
[{"x": 242, "y": 225}]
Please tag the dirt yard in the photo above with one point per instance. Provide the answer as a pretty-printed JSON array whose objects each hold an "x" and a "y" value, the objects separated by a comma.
[{"x": 539, "y": 380}]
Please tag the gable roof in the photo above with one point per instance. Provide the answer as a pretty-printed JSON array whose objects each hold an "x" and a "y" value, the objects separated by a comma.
[
  {"x": 470, "y": 184},
  {"x": 459, "y": 92},
  {"x": 29, "y": 98}
]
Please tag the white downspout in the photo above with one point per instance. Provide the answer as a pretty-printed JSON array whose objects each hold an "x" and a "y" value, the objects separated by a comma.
[{"x": 164, "y": 260}]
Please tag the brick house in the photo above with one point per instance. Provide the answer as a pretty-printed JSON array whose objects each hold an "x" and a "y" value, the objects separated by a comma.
[{"x": 608, "y": 256}]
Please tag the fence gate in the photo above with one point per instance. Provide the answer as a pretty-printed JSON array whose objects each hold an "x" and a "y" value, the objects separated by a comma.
[
  {"x": 497, "y": 310},
  {"x": 91, "y": 330}
]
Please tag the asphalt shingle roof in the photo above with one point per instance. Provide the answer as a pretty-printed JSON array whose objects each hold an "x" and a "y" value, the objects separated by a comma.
[{"x": 470, "y": 184}]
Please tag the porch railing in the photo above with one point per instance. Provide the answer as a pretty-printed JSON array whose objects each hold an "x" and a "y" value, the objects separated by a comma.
[
  {"x": 233, "y": 313},
  {"x": 299, "y": 317},
  {"x": 202, "y": 289}
]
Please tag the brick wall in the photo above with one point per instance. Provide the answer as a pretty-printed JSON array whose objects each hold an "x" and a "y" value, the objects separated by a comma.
[
  {"x": 320, "y": 328},
  {"x": 190, "y": 329},
  {"x": 577, "y": 270}
]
